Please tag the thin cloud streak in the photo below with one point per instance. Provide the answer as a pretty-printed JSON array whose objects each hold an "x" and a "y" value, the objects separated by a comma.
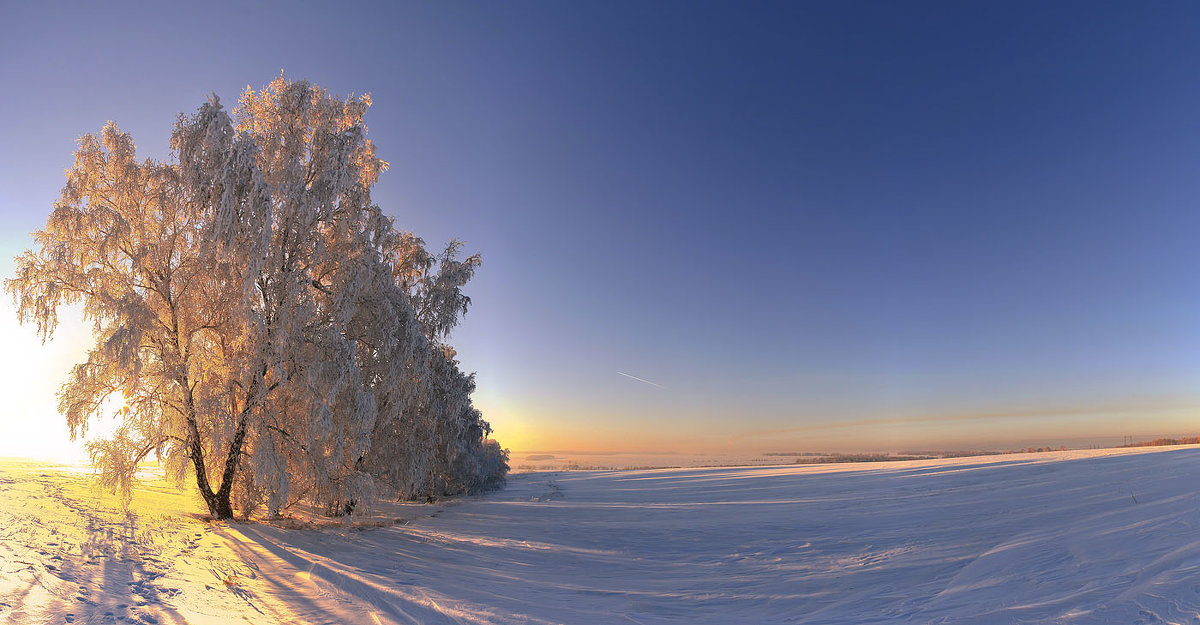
[{"x": 634, "y": 377}]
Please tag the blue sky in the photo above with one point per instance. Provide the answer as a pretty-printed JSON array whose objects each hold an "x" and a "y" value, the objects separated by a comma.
[{"x": 813, "y": 225}]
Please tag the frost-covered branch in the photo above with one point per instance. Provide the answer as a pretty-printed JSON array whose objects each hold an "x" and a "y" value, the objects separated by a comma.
[{"x": 264, "y": 321}]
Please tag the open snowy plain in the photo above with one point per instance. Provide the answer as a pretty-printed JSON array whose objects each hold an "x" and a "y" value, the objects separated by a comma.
[{"x": 1108, "y": 536}]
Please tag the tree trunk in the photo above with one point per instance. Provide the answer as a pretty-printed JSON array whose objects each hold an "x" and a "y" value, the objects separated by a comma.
[
  {"x": 196, "y": 452},
  {"x": 219, "y": 504},
  {"x": 223, "y": 509}
]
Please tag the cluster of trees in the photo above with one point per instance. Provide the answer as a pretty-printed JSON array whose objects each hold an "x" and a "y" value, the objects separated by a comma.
[
  {"x": 863, "y": 457},
  {"x": 1160, "y": 442},
  {"x": 271, "y": 332},
  {"x": 1036, "y": 450}
]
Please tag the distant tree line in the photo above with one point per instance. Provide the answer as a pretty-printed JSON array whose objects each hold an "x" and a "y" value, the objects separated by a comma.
[{"x": 1160, "y": 442}]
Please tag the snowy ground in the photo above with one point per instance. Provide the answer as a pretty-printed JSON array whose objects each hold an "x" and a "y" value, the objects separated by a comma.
[{"x": 1108, "y": 536}]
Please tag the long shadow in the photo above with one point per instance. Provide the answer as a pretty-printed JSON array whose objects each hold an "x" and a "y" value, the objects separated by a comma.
[
  {"x": 109, "y": 580},
  {"x": 401, "y": 575},
  {"x": 251, "y": 543},
  {"x": 123, "y": 575},
  {"x": 291, "y": 592}
]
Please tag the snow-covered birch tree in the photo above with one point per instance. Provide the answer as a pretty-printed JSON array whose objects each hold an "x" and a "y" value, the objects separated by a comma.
[{"x": 271, "y": 332}]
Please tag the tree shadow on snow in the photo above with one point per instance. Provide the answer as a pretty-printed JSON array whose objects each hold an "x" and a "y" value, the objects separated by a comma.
[
  {"x": 383, "y": 568},
  {"x": 107, "y": 580}
]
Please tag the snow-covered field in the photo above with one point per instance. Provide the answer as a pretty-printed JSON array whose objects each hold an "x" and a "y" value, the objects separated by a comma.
[{"x": 1109, "y": 536}]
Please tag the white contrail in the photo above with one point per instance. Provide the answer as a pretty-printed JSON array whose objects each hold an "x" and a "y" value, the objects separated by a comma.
[{"x": 634, "y": 377}]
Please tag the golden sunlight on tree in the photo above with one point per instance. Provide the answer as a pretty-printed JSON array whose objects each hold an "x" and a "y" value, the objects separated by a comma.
[{"x": 261, "y": 324}]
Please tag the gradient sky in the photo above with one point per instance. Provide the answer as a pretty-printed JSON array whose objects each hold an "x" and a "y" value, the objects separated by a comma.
[{"x": 810, "y": 225}]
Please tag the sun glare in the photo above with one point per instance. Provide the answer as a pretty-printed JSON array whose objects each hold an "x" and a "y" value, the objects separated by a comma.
[{"x": 30, "y": 375}]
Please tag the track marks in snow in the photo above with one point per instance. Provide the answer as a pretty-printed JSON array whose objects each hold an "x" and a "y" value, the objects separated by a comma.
[
  {"x": 82, "y": 559},
  {"x": 1017, "y": 539},
  {"x": 553, "y": 491}
]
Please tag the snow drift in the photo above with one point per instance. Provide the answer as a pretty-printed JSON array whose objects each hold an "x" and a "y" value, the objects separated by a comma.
[{"x": 1069, "y": 537}]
